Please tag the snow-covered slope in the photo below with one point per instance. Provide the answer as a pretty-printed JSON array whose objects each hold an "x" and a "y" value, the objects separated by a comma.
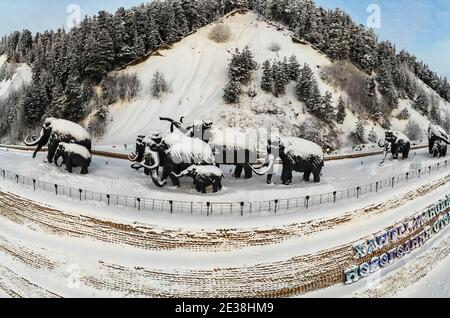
[
  {"x": 196, "y": 69},
  {"x": 21, "y": 75}
]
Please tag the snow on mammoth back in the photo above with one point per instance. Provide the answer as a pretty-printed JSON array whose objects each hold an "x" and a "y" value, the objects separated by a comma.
[
  {"x": 66, "y": 127},
  {"x": 400, "y": 136},
  {"x": 77, "y": 149},
  {"x": 301, "y": 147},
  {"x": 186, "y": 149}
]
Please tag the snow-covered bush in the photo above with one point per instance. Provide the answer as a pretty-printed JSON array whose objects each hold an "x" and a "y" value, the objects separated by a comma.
[
  {"x": 358, "y": 135},
  {"x": 220, "y": 33},
  {"x": 373, "y": 137},
  {"x": 232, "y": 92},
  {"x": 274, "y": 47},
  {"x": 413, "y": 130},
  {"x": 404, "y": 114},
  {"x": 97, "y": 124},
  {"x": 159, "y": 85},
  {"x": 327, "y": 136}
]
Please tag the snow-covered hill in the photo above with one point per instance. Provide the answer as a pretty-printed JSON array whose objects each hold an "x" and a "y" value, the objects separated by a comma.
[
  {"x": 21, "y": 74},
  {"x": 196, "y": 70}
]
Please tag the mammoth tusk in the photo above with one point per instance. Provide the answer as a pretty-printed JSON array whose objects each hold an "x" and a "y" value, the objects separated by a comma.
[
  {"x": 177, "y": 175},
  {"x": 33, "y": 143},
  {"x": 153, "y": 167},
  {"x": 269, "y": 167},
  {"x": 132, "y": 157},
  {"x": 381, "y": 144}
]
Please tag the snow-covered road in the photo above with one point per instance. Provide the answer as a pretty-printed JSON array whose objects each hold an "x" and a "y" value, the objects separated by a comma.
[{"x": 115, "y": 176}]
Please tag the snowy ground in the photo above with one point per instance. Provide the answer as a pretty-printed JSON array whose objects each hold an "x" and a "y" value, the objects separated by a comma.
[{"x": 115, "y": 176}]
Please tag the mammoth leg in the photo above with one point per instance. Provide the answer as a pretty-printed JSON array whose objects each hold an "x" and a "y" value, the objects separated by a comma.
[
  {"x": 84, "y": 169},
  {"x": 307, "y": 176},
  {"x": 203, "y": 189},
  {"x": 215, "y": 188},
  {"x": 269, "y": 178},
  {"x": 286, "y": 175},
  {"x": 444, "y": 151},
  {"x": 316, "y": 174},
  {"x": 52, "y": 147},
  {"x": 198, "y": 187},
  {"x": 405, "y": 152},
  {"x": 69, "y": 167},
  {"x": 238, "y": 171},
  {"x": 248, "y": 172},
  {"x": 175, "y": 180}
]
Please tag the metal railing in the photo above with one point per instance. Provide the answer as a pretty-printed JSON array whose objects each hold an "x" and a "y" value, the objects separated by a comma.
[{"x": 227, "y": 208}]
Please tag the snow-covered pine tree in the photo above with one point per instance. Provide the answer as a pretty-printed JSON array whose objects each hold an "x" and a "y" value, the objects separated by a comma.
[
  {"x": 74, "y": 107},
  {"x": 435, "y": 114},
  {"x": 341, "y": 112},
  {"x": 327, "y": 111},
  {"x": 232, "y": 92},
  {"x": 267, "y": 77},
  {"x": 294, "y": 68},
  {"x": 359, "y": 133},
  {"x": 242, "y": 65},
  {"x": 305, "y": 82},
  {"x": 386, "y": 123},
  {"x": 373, "y": 137},
  {"x": 314, "y": 101},
  {"x": 421, "y": 104},
  {"x": 280, "y": 79},
  {"x": 58, "y": 101}
]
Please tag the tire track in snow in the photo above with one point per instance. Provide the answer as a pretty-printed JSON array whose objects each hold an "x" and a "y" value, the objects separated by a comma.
[{"x": 37, "y": 217}]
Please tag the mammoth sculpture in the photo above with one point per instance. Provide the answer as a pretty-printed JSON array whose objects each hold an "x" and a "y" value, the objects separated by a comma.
[
  {"x": 296, "y": 154},
  {"x": 175, "y": 152},
  {"x": 438, "y": 140},
  {"x": 396, "y": 143},
  {"x": 204, "y": 177},
  {"x": 55, "y": 131},
  {"x": 73, "y": 155}
]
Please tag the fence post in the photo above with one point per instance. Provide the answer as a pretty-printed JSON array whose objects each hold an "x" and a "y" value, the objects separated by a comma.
[
  {"x": 334, "y": 196},
  {"x": 139, "y": 203},
  {"x": 56, "y": 189},
  {"x": 3, "y": 172},
  {"x": 276, "y": 206},
  {"x": 420, "y": 170},
  {"x": 357, "y": 192},
  {"x": 376, "y": 187},
  {"x": 171, "y": 206},
  {"x": 430, "y": 170},
  {"x": 307, "y": 201},
  {"x": 392, "y": 182},
  {"x": 407, "y": 176},
  {"x": 81, "y": 191},
  {"x": 192, "y": 207},
  {"x": 208, "y": 207},
  {"x": 17, "y": 178},
  {"x": 34, "y": 185},
  {"x": 108, "y": 197},
  {"x": 242, "y": 208}
]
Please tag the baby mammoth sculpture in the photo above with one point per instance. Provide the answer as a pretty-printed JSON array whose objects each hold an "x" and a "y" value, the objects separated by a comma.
[
  {"x": 396, "y": 143},
  {"x": 54, "y": 131},
  {"x": 296, "y": 154},
  {"x": 204, "y": 177},
  {"x": 73, "y": 155}
]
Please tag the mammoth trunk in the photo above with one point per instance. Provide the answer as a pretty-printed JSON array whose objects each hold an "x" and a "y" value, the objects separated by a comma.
[{"x": 157, "y": 180}]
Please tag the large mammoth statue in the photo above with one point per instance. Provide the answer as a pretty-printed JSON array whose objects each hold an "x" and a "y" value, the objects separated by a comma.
[
  {"x": 73, "y": 155},
  {"x": 199, "y": 129},
  {"x": 204, "y": 177},
  {"x": 296, "y": 154},
  {"x": 176, "y": 152},
  {"x": 55, "y": 131},
  {"x": 438, "y": 140},
  {"x": 397, "y": 143},
  {"x": 147, "y": 159}
]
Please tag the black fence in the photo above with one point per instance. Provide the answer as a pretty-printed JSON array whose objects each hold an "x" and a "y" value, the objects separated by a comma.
[{"x": 228, "y": 208}]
